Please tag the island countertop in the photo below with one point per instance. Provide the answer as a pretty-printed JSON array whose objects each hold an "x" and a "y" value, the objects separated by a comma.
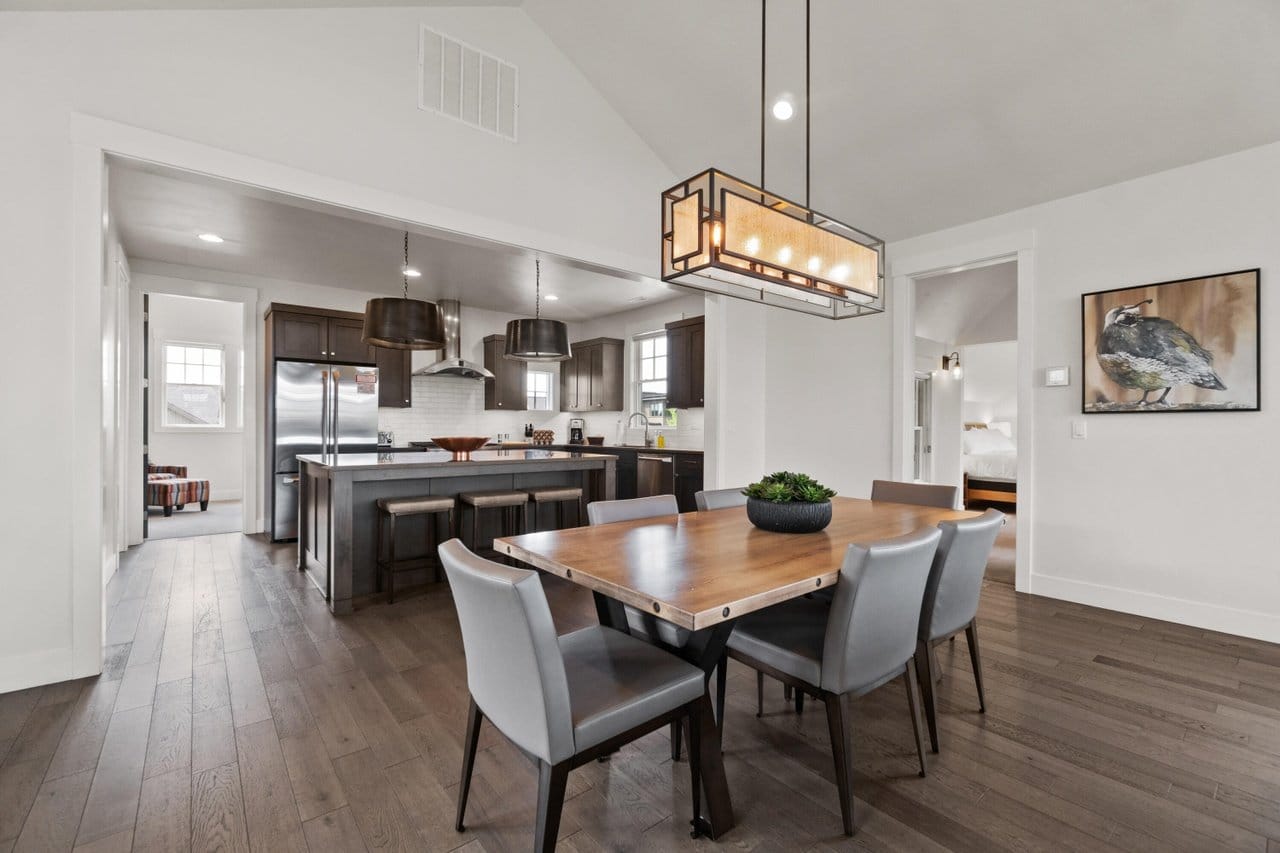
[{"x": 480, "y": 459}]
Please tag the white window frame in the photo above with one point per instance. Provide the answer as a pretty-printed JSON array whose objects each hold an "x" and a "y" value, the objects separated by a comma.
[
  {"x": 638, "y": 359},
  {"x": 160, "y": 401},
  {"x": 530, "y": 372}
]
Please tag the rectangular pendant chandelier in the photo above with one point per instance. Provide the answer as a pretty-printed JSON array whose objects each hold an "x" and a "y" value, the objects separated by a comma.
[{"x": 723, "y": 235}]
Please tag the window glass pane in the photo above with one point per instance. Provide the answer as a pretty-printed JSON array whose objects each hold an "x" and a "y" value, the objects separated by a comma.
[
  {"x": 195, "y": 355},
  {"x": 193, "y": 405},
  {"x": 660, "y": 367},
  {"x": 212, "y": 375},
  {"x": 213, "y": 356},
  {"x": 660, "y": 345},
  {"x": 173, "y": 373}
]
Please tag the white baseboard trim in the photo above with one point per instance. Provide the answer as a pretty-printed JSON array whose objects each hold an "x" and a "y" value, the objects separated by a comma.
[
  {"x": 224, "y": 494},
  {"x": 1213, "y": 617},
  {"x": 50, "y": 666}
]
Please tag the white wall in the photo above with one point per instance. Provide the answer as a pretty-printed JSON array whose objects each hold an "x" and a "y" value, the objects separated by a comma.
[
  {"x": 1164, "y": 515},
  {"x": 332, "y": 93},
  {"x": 213, "y": 455},
  {"x": 991, "y": 383}
]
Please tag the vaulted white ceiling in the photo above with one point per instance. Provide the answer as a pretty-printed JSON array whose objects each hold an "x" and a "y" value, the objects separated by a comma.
[
  {"x": 935, "y": 113},
  {"x": 973, "y": 306}
]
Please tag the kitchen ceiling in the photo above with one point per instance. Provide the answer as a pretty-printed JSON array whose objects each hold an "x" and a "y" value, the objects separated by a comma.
[{"x": 160, "y": 213}]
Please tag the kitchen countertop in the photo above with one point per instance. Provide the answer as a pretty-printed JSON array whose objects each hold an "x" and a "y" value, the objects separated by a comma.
[
  {"x": 443, "y": 459},
  {"x": 636, "y": 447}
]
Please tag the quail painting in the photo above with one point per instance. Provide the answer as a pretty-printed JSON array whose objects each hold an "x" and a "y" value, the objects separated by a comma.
[{"x": 1148, "y": 354}]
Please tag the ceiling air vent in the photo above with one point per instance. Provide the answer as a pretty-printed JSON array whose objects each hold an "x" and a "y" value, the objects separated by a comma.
[{"x": 461, "y": 82}]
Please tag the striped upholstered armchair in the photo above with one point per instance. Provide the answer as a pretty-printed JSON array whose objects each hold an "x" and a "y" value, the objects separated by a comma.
[{"x": 166, "y": 472}]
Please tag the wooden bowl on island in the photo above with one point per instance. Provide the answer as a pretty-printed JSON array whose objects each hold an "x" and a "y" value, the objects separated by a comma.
[
  {"x": 461, "y": 445},
  {"x": 595, "y": 440}
]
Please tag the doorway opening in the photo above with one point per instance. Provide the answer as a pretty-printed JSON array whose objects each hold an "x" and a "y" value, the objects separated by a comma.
[{"x": 193, "y": 419}]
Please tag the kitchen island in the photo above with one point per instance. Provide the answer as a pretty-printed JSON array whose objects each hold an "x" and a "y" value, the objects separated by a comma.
[{"x": 337, "y": 502}]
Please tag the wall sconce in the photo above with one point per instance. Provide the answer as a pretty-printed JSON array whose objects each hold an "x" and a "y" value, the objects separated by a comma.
[{"x": 952, "y": 363}]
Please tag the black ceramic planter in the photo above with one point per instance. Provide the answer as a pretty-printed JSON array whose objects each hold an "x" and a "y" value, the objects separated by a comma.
[{"x": 788, "y": 517}]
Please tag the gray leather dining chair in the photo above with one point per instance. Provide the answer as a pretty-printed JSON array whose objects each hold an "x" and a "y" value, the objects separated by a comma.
[
  {"x": 709, "y": 499},
  {"x": 564, "y": 700},
  {"x": 639, "y": 623},
  {"x": 951, "y": 602},
  {"x": 863, "y": 638},
  {"x": 920, "y": 494}
]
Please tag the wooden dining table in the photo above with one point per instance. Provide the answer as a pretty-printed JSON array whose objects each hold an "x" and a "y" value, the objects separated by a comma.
[{"x": 704, "y": 570}]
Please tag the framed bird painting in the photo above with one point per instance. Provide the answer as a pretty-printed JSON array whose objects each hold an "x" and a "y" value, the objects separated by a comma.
[{"x": 1190, "y": 345}]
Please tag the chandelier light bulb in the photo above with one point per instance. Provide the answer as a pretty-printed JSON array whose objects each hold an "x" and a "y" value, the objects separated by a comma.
[
  {"x": 752, "y": 245},
  {"x": 815, "y": 263},
  {"x": 784, "y": 254}
]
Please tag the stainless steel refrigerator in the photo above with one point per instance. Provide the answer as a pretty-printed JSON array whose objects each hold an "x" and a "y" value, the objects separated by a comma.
[{"x": 319, "y": 408}]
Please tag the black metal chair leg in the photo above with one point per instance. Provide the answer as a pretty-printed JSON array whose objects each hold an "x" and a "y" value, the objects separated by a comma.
[
  {"x": 912, "y": 706},
  {"x": 799, "y": 701},
  {"x": 838, "y": 724},
  {"x": 675, "y": 741},
  {"x": 924, "y": 677},
  {"x": 695, "y": 764},
  {"x": 474, "y": 718},
  {"x": 552, "y": 780},
  {"x": 759, "y": 694},
  {"x": 971, "y": 634}
]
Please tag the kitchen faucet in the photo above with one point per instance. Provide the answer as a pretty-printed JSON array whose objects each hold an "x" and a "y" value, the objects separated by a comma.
[{"x": 645, "y": 419}]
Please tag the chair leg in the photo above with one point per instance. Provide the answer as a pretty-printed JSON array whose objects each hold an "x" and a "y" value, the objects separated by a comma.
[
  {"x": 722, "y": 684},
  {"x": 696, "y": 710},
  {"x": 675, "y": 740},
  {"x": 377, "y": 555},
  {"x": 786, "y": 693},
  {"x": 474, "y": 718},
  {"x": 391, "y": 566},
  {"x": 759, "y": 694},
  {"x": 552, "y": 779},
  {"x": 971, "y": 634},
  {"x": 204, "y": 505},
  {"x": 913, "y": 707},
  {"x": 799, "y": 701},
  {"x": 924, "y": 676},
  {"x": 838, "y": 723}
]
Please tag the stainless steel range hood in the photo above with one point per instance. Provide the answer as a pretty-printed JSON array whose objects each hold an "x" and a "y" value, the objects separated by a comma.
[{"x": 451, "y": 362}]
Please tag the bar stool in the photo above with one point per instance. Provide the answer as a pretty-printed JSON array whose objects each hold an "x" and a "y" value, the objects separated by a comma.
[
  {"x": 432, "y": 506},
  {"x": 558, "y": 495},
  {"x": 514, "y": 506}
]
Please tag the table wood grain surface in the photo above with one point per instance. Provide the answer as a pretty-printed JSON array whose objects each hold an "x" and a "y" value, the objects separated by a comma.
[{"x": 702, "y": 568}]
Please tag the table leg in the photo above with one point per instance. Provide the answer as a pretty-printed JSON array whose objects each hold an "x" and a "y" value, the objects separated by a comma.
[
  {"x": 704, "y": 650},
  {"x": 610, "y": 612}
]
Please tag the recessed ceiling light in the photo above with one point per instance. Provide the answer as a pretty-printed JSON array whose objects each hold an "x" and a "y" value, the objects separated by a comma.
[
  {"x": 551, "y": 297},
  {"x": 783, "y": 109},
  {"x": 209, "y": 237},
  {"x": 411, "y": 272}
]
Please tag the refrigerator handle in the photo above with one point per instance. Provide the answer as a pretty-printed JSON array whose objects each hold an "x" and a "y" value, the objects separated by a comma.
[
  {"x": 324, "y": 412},
  {"x": 333, "y": 430}
]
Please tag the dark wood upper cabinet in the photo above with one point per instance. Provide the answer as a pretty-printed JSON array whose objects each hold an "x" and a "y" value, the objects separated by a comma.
[
  {"x": 593, "y": 380},
  {"x": 299, "y": 335},
  {"x": 395, "y": 378},
  {"x": 508, "y": 389},
  {"x": 686, "y": 345},
  {"x": 345, "y": 344}
]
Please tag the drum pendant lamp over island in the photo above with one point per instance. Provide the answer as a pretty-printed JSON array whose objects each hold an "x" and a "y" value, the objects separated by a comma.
[
  {"x": 537, "y": 339},
  {"x": 401, "y": 322}
]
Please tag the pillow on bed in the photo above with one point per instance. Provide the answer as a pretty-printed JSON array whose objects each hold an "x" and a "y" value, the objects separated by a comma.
[{"x": 987, "y": 441}]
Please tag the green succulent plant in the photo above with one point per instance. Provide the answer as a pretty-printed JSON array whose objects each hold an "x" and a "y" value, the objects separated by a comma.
[{"x": 785, "y": 487}]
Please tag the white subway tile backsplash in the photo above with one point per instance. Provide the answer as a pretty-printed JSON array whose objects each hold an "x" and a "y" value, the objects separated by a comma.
[{"x": 451, "y": 405}]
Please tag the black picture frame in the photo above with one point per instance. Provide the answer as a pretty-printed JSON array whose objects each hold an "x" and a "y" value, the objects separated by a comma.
[{"x": 1129, "y": 353}]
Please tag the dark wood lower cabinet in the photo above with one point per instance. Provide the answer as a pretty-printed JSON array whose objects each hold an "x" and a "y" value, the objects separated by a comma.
[{"x": 688, "y": 480}]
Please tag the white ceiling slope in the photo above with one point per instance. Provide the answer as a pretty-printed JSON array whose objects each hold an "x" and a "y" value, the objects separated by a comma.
[
  {"x": 976, "y": 306},
  {"x": 936, "y": 113},
  {"x": 159, "y": 213}
]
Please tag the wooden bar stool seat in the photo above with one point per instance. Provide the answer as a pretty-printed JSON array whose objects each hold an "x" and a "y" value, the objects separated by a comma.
[
  {"x": 514, "y": 505},
  {"x": 558, "y": 495},
  {"x": 392, "y": 509}
]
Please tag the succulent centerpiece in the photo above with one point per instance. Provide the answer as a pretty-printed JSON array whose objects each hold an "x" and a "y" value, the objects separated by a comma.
[{"x": 784, "y": 502}]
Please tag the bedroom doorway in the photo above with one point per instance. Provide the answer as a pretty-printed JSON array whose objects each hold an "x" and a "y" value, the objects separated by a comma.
[{"x": 964, "y": 419}]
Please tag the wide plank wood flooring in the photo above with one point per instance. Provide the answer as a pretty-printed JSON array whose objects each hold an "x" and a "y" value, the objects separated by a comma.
[{"x": 234, "y": 713}]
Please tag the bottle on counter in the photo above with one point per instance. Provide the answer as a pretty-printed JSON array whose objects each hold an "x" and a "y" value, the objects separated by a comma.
[{"x": 662, "y": 440}]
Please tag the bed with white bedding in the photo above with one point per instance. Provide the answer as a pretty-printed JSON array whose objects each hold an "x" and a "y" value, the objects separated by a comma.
[{"x": 990, "y": 461}]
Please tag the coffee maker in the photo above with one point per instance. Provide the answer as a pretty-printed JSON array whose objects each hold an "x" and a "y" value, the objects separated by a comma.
[{"x": 576, "y": 428}]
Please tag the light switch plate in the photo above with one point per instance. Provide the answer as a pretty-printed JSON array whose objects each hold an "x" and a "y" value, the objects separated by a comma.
[
  {"x": 1057, "y": 376},
  {"x": 1079, "y": 429}
]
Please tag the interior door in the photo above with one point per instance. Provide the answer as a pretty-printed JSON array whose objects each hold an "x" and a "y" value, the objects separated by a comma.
[
  {"x": 922, "y": 431},
  {"x": 146, "y": 408}
]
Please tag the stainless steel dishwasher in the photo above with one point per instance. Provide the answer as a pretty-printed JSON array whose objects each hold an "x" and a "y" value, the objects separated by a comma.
[{"x": 655, "y": 475}]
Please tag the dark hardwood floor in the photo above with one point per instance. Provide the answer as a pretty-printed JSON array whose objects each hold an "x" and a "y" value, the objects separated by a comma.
[{"x": 234, "y": 713}]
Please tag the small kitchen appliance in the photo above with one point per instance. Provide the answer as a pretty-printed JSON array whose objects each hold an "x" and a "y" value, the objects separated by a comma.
[{"x": 577, "y": 426}]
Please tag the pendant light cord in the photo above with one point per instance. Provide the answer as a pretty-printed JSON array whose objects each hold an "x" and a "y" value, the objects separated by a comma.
[
  {"x": 764, "y": 26},
  {"x": 537, "y": 288},
  {"x": 808, "y": 104},
  {"x": 405, "y": 269}
]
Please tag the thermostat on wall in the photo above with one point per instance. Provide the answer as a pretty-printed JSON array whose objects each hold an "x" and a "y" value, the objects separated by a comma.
[{"x": 1057, "y": 376}]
